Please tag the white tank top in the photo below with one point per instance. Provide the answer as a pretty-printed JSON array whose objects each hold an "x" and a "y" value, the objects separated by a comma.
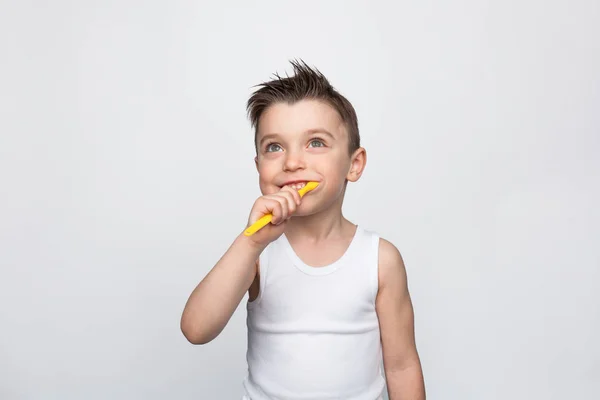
[{"x": 313, "y": 332}]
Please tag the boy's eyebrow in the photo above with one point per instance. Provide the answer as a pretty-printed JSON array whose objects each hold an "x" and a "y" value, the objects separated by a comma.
[
  {"x": 319, "y": 130},
  {"x": 270, "y": 135},
  {"x": 308, "y": 132}
]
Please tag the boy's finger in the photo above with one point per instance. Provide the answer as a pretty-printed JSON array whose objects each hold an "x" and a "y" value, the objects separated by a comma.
[
  {"x": 277, "y": 211},
  {"x": 292, "y": 205},
  {"x": 282, "y": 212},
  {"x": 264, "y": 206},
  {"x": 294, "y": 193}
]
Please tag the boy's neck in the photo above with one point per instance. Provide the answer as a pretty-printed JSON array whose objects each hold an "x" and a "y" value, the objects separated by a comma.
[{"x": 325, "y": 225}]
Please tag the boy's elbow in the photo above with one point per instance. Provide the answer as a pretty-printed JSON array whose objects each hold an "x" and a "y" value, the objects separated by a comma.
[
  {"x": 193, "y": 334},
  {"x": 196, "y": 340}
]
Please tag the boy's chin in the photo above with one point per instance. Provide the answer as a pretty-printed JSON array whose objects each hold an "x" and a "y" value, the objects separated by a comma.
[
  {"x": 305, "y": 210},
  {"x": 301, "y": 214}
]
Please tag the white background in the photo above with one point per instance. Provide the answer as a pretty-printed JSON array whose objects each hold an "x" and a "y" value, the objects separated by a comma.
[{"x": 126, "y": 171}]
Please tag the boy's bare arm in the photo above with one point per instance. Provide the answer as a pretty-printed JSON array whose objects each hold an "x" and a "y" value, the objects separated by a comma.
[
  {"x": 213, "y": 301},
  {"x": 396, "y": 319}
]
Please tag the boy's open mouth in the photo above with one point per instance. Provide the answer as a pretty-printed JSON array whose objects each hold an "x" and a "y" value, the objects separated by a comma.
[{"x": 297, "y": 185}]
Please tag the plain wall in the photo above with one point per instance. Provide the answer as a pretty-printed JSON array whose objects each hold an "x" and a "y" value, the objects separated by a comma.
[{"x": 126, "y": 170}]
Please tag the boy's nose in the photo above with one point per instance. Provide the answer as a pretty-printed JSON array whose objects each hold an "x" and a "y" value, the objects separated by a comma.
[{"x": 293, "y": 161}]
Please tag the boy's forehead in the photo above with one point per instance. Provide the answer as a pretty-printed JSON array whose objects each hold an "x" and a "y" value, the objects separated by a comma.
[{"x": 303, "y": 116}]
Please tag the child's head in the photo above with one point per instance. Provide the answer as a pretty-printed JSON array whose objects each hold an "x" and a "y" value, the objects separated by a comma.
[{"x": 305, "y": 130}]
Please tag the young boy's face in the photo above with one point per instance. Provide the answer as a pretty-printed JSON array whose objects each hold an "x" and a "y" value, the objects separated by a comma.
[{"x": 306, "y": 141}]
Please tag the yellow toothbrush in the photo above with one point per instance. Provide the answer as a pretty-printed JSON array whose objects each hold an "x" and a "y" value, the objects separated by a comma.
[{"x": 265, "y": 219}]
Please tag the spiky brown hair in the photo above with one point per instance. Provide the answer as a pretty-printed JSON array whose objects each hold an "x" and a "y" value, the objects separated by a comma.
[{"x": 306, "y": 84}]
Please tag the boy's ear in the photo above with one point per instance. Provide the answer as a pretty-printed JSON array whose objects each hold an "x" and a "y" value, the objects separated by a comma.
[
  {"x": 358, "y": 161},
  {"x": 256, "y": 162}
]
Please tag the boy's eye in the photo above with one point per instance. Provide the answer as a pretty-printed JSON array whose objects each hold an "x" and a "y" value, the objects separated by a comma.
[
  {"x": 272, "y": 147},
  {"x": 318, "y": 143}
]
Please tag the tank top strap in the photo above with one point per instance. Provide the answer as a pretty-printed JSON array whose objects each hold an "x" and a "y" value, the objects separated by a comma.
[{"x": 369, "y": 247}]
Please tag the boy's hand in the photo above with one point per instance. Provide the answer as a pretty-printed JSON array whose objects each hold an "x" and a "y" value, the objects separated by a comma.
[{"x": 282, "y": 205}]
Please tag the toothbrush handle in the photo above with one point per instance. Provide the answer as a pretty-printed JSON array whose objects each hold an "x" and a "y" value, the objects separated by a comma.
[{"x": 255, "y": 227}]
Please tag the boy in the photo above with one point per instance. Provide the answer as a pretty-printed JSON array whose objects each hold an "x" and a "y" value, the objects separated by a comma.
[{"x": 328, "y": 300}]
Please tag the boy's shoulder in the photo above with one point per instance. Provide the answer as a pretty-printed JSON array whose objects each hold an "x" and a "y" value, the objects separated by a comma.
[
  {"x": 388, "y": 251},
  {"x": 389, "y": 255},
  {"x": 390, "y": 260}
]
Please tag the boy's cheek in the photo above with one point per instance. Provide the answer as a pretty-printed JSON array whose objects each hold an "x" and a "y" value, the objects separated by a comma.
[{"x": 265, "y": 187}]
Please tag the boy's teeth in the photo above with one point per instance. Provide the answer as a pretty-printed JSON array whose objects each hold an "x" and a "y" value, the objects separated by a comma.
[{"x": 298, "y": 185}]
